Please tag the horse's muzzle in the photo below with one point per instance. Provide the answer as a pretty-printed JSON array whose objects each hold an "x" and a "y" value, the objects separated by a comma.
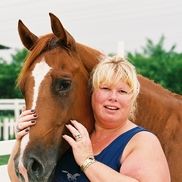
[
  {"x": 35, "y": 168},
  {"x": 38, "y": 164}
]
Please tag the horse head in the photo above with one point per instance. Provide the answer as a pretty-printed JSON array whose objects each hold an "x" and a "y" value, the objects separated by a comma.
[{"x": 54, "y": 82}]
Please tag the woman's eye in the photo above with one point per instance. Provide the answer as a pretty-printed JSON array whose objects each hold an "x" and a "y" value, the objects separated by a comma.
[
  {"x": 123, "y": 92},
  {"x": 104, "y": 88}
]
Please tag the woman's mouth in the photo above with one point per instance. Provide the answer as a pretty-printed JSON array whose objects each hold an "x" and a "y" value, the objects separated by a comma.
[{"x": 111, "y": 107}]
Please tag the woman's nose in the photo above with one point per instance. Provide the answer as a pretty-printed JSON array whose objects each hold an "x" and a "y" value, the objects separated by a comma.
[{"x": 113, "y": 96}]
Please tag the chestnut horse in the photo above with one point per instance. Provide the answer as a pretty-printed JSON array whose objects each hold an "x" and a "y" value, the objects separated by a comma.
[{"x": 54, "y": 81}]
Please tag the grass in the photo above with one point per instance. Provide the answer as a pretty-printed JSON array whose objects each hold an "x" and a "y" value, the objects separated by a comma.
[{"x": 4, "y": 159}]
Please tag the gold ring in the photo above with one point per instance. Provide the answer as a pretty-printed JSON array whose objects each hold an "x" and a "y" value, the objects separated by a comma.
[{"x": 78, "y": 137}]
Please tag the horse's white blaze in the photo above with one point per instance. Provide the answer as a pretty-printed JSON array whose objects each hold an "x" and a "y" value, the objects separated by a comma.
[{"x": 39, "y": 72}]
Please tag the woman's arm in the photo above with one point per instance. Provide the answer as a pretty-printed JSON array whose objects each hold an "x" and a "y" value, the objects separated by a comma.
[
  {"x": 144, "y": 159},
  {"x": 11, "y": 166},
  {"x": 25, "y": 121}
]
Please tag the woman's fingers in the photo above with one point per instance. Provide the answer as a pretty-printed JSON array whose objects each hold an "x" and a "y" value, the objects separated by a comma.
[
  {"x": 27, "y": 112},
  {"x": 82, "y": 130},
  {"x": 80, "y": 142},
  {"x": 78, "y": 131},
  {"x": 26, "y": 119},
  {"x": 70, "y": 140},
  {"x": 24, "y": 125},
  {"x": 22, "y": 133},
  {"x": 73, "y": 130}
]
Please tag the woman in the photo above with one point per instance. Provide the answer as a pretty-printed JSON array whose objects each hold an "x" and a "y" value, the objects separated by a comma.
[{"x": 117, "y": 149}]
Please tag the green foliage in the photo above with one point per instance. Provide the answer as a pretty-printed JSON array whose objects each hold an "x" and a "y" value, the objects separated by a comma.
[
  {"x": 4, "y": 159},
  {"x": 164, "y": 67},
  {"x": 154, "y": 62},
  {"x": 9, "y": 73},
  {"x": 4, "y": 47}
]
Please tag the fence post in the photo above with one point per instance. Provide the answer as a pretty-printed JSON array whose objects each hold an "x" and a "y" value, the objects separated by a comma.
[
  {"x": 6, "y": 129},
  {"x": 11, "y": 128},
  {"x": 121, "y": 49},
  {"x": 16, "y": 111},
  {"x": 1, "y": 129}
]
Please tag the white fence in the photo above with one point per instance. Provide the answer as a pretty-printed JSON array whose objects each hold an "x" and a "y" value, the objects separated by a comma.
[
  {"x": 7, "y": 123},
  {"x": 4, "y": 174},
  {"x": 5, "y": 149},
  {"x": 13, "y": 105},
  {"x": 7, "y": 130}
]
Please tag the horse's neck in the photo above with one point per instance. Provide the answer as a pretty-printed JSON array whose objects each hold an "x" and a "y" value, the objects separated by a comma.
[
  {"x": 89, "y": 56},
  {"x": 153, "y": 89},
  {"x": 157, "y": 102}
]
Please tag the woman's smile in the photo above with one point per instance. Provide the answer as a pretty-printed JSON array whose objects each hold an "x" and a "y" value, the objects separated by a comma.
[{"x": 113, "y": 108}]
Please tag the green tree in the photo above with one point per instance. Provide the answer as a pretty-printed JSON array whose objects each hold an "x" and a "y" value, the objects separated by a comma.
[
  {"x": 164, "y": 67},
  {"x": 154, "y": 62},
  {"x": 4, "y": 47},
  {"x": 9, "y": 73}
]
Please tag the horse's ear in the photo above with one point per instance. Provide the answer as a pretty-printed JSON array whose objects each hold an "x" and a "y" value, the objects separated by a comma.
[
  {"x": 59, "y": 31},
  {"x": 28, "y": 38}
]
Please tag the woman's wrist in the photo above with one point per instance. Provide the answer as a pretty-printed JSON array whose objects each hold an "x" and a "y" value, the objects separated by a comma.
[{"x": 89, "y": 161}]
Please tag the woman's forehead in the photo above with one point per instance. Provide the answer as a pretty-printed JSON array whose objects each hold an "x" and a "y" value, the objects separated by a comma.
[{"x": 115, "y": 84}]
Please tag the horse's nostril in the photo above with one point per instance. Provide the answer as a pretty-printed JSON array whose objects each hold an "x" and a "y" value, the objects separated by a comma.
[{"x": 35, "y": 167}]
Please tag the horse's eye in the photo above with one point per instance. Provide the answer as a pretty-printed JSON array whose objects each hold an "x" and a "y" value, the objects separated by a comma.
[{"x": 62, "y": 86}]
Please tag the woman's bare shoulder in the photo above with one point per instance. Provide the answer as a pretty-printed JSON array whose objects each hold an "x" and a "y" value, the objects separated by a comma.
[{"x": 143, "y": 157}]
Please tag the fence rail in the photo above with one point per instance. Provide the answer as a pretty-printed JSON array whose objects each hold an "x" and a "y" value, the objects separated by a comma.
[{"x": 13, "y": 105}]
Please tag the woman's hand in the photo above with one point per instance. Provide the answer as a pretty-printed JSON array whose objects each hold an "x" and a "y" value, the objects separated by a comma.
[
  {"x": 26, "y": 119},
  {"x": 80, "y": 142}
]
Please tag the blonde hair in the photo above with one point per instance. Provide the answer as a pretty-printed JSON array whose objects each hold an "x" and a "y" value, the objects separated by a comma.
[{"x": 112, "y": 70}]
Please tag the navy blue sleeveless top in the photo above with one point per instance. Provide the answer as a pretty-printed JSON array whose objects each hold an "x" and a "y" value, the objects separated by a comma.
[{"x": 68, "y": 170}]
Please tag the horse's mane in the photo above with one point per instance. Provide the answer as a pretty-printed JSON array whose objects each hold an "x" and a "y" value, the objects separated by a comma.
[
  {"x": 40, "y": 47},
  {"x": 89, "y": 56}
]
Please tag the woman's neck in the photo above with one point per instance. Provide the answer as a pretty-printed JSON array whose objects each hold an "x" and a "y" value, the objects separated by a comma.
[
  {"x": 101, "y": 130},
  {"x": 102, "y": 136}
]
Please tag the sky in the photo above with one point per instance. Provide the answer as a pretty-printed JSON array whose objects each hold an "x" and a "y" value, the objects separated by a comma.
[{"x": 102, "y": 24}]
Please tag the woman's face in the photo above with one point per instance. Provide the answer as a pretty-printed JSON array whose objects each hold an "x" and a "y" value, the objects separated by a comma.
[{"x": 111, "y": 104}]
